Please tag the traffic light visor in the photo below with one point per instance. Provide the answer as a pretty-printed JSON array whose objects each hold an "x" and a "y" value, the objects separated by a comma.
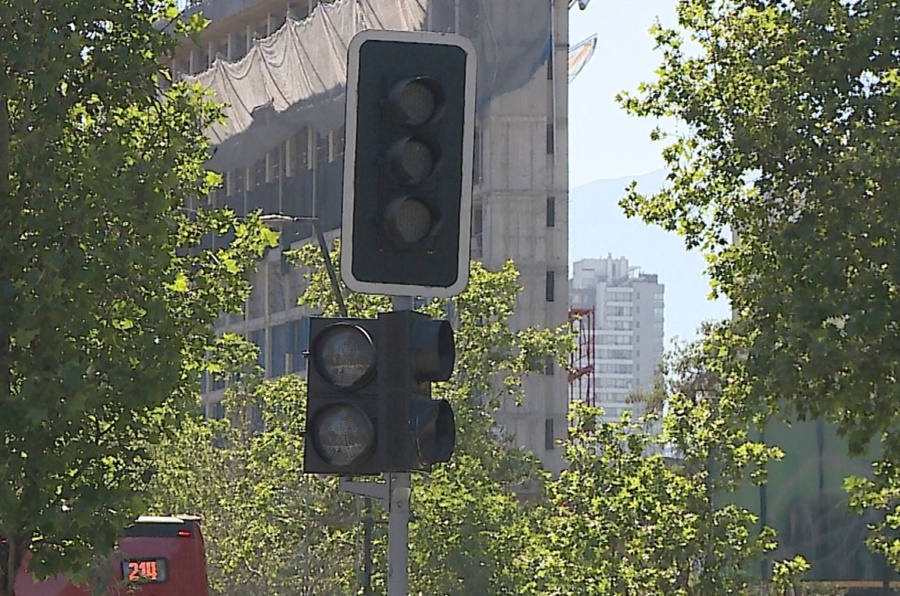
[{"x": 344, "y": 355}]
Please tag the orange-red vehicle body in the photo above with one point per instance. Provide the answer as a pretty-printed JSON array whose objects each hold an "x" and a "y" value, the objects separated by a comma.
[{"x": 157, "y": 556}]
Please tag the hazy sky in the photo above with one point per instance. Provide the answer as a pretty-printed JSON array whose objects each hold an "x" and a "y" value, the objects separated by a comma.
[{"x": 605, "y": 143}]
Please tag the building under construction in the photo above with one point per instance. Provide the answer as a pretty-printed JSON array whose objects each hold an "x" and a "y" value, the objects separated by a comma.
[{"x": 280, "y": 68}]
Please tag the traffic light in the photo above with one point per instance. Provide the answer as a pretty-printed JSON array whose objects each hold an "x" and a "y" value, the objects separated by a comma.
[
  {"x": 342, "y": 397},
  {"x": 369, "y": 407},
  {"x": 408, "y": 163}
]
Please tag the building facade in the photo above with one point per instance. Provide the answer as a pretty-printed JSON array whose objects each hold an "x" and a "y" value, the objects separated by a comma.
[
  {"x": 627, "y": 335},
  {"x": 280, "y": 69}
]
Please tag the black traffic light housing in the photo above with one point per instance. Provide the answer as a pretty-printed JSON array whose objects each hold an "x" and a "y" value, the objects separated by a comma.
[
  {"x": 369, "y": 407},
  {"x": 408, "y": 163},
  {"x": 342, "y": 400},
  {"x": 418, "y": 431}
]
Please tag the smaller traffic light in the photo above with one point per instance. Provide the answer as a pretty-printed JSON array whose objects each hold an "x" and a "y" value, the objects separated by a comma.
[
  {"x": 342, "y": 397},
  {"x": 369, "y": 407},
  {"x": 408, "y": 163}
]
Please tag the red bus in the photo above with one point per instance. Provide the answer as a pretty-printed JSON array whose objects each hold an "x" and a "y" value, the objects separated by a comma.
[{"x": 157, "y": 556}]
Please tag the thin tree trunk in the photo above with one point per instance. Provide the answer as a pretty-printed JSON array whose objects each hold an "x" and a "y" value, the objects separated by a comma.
[{"x": 7, "y": 218}]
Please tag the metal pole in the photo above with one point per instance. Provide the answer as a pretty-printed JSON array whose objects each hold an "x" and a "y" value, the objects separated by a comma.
[
  {"x": 398, "y": 533},
  {"x": 398, "y": 510},
  {"x": 368, "y": 526},
  {"x": 281, "y": 218},
  {"x": 329, "y": 266}
]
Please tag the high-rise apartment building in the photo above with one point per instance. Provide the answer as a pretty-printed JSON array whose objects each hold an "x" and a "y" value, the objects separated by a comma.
[
  {"x": 280, "y": 68},
  {"x": 627, "y": 335}
]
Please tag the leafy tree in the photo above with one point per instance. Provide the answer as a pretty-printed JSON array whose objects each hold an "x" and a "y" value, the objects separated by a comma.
[
  {"x": 785, "y": 173},
  {"x": 639, "y": 513},
  {"x": 106, "y": 300},
  {"x": 271, "y": 529}
]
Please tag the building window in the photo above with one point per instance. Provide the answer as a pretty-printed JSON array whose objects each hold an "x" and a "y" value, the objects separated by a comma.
[
  {"x": 322, "y": 150},
  {"x": 549, "y": 438},
  {"x": 300, "y": 161},
  {"x": 336, "y": 145},
  {"x": 222, "y": 51},
  {"x": 614, "y": 368},
  {"x": 258, "y": 173},
  {"x": 240, "y": 181},
  {"x": 298, "y": 10},
  {"x": 551, "y": 212},
  {"x": 614, "y": 340},
  {"x": 620, "y": 296},
  {"x": 238, "y": 46},
  {"x": 217, "y": 411},
  {"x": 478, "y": 151},
  {"x": 614, "y": 383},
  {"x": 275, "y": 159},
  {"x": 551, "y": 141},
  {"x": 551, "y": 286}
]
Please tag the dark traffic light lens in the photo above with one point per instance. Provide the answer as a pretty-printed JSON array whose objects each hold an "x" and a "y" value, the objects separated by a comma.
[
  {"x": 412, "y": 160},
  {"x": 344, "y": 355},
  {"x": 342, "y": 434},
  {"x": 416, "y": 101},
  {"x": 409, "y": 220}
]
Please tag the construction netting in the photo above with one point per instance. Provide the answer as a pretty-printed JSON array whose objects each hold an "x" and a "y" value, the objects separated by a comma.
[{"x": 296, "y": 76}]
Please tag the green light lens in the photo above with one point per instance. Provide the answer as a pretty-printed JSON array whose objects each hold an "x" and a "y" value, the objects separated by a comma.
[
  {"x": 343, "y": 435},
  {"x": 409, "y": 220}
]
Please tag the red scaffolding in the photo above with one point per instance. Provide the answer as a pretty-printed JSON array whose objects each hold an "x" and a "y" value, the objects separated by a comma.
[{"x": 581, "y": 362}]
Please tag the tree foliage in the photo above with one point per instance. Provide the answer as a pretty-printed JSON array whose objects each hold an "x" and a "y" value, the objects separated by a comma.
[
  {"x": 271, "y": 529},
  {"x": 791, "y": 113},
  {"x": 642, "y": 513},
  {"x": 785, "y": 173},
  {"x": 634, "y": 513},
  {"x": 103, "y": 307}
]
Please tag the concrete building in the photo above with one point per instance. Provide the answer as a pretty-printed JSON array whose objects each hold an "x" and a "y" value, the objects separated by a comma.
[
  {"x": 627, "y": 334},
  {"x": 280, "y": 68}
]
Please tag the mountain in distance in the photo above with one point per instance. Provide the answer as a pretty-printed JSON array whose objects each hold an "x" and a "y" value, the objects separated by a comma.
[{"x": 598, "y": 228}]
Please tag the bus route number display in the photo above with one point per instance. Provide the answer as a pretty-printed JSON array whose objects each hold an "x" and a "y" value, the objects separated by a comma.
[{"x": 145, "y": 571}]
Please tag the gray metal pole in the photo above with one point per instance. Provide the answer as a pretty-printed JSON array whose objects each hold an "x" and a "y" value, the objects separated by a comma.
[
  {"x": 398, "y": 533},
  {"x": 398, "y": 510}
]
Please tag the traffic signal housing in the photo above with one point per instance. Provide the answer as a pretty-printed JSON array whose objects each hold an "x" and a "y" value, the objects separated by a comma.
[
  {"x": 342, "y": 397},
  {"x": 408, "y": 163},
  {"x": 369, "y": 406},
  {"x": 418, "y": 430}
]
